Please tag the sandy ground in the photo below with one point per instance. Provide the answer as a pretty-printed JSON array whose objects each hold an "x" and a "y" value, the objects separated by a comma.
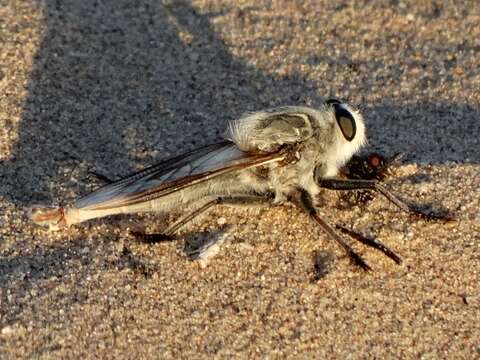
[{"x": 112, "y": 86}]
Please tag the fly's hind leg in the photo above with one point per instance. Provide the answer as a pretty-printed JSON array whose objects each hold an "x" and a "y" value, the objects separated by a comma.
[
  {"x": 169, "y": 233},
  {"x": 235, "y": 201},
  {"x": 209, "y": 248}
]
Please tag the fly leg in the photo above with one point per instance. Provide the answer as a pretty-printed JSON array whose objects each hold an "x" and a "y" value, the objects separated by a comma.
[
  {"x": 169, "y": 233},
  {"x": 235, "y": 201},
  {"x": 211, "y": 246},
  {"x": 103, "y": 178},
  {"x": 304, "y": 201},
  {"x": 343, "y": 184},
  {"x": 372, "y": 242}
]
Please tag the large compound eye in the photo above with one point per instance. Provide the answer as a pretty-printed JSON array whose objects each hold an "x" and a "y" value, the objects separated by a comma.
[
  {"x": 345, "y": 119},
  {"x": 346, "y": 122}
]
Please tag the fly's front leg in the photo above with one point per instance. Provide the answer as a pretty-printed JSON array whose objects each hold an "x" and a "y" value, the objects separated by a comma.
[
  {"x": 236, "y": 201},
  {"x": 343, "y": 184}
]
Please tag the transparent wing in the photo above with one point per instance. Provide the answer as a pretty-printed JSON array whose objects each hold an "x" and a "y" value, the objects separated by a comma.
[{"x": 175, "y": 174}]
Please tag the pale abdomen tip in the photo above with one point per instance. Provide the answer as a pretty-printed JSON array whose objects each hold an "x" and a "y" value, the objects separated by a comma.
[{"x": 51, "y": 217}]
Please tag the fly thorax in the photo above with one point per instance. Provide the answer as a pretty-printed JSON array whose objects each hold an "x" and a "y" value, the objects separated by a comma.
[{"x": 283, "y": 178}]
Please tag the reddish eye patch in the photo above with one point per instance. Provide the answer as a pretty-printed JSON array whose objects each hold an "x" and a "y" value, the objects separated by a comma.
[{"x": 375, "y": 160}]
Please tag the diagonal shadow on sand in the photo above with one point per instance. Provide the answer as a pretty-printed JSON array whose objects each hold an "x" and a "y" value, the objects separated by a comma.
[{"x": 111, "y": 77}]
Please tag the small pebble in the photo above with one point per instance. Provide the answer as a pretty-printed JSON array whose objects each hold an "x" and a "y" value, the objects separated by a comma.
[{"x": 8, "y": 330}]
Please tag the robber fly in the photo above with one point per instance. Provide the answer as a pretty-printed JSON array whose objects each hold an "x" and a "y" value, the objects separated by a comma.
[{"x": 285, "y": 154}]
